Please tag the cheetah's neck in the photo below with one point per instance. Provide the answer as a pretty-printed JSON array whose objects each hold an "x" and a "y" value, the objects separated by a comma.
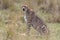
[{"x": 25, "y": 18}]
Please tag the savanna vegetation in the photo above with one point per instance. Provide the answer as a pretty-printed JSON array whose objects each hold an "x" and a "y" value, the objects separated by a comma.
[{"x": 13, "y": 26}]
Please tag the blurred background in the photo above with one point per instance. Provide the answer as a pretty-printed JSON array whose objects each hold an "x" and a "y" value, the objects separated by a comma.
[{"x": 13, "y": 26}]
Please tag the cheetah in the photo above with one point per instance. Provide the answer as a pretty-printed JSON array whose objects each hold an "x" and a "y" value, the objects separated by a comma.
[{"x": 34, "y": 21}]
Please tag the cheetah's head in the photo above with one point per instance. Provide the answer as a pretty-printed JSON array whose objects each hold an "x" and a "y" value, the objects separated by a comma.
[{"x": 24, "y": 8}]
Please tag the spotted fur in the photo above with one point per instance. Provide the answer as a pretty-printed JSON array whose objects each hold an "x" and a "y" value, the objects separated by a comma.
[{"x": 33, "y": 20}]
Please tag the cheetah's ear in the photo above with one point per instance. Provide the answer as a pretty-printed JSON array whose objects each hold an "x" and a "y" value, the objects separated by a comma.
[
  {"x": 31, "y": 9},
  {"x": 32, "y": 12}
]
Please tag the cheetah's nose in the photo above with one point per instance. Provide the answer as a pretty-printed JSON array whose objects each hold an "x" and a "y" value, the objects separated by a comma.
[{"x": 23, "y": 9}]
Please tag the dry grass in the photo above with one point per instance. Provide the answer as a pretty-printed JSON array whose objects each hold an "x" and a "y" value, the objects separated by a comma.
[{"x": 13, "y": 27}]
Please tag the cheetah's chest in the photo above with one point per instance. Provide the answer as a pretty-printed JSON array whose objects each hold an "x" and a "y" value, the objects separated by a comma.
[{"x": 25, "y": 18}]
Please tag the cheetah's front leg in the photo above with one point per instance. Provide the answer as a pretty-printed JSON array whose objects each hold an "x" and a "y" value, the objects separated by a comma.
[{"x": 28, "y": 28}]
